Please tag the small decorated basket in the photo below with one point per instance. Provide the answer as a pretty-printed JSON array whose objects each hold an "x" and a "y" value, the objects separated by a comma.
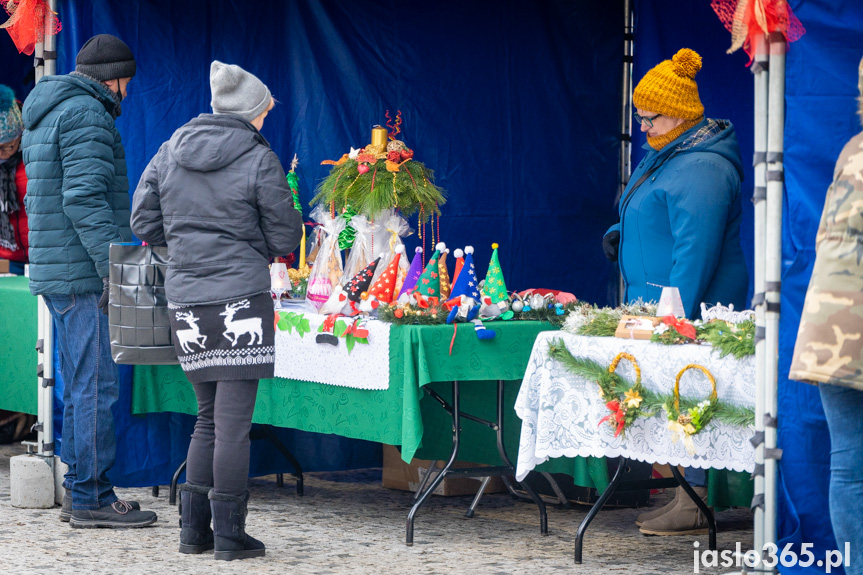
[{"x": 685, "y": 425}]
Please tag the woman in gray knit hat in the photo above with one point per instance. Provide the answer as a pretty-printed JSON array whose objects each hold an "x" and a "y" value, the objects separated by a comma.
[{"x": 216, "y": 195}]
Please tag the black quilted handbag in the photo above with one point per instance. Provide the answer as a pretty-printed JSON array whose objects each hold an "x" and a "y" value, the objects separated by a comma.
[{"x": 138, "y": 309}]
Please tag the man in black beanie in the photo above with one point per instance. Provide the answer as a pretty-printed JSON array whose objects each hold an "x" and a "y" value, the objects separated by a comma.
[{"x": 78, "y": 204}]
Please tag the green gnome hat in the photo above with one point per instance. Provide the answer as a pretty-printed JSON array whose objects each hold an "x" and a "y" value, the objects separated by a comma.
[
  {"x": 495, "y": 286},
  {"x": 428, "y": 284}
]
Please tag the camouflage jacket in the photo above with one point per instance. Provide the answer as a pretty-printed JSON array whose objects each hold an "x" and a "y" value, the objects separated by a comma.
[{"x": 829, "y": 346}]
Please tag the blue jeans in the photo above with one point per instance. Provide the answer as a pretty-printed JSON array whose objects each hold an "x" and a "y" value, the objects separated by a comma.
[
  {"x": 696, "y": 476},
  {"x": 91, "y": 390},
  {"x": 843, "y": 407}
]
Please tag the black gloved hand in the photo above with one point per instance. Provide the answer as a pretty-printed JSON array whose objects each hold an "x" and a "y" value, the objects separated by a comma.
[
  {"x": 610, "y": 243},
  {"x": 103, "y": 299}
]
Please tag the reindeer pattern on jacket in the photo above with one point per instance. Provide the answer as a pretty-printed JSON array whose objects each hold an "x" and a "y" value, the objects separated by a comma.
[
  {"x": 193, "y": 335},
  {"x": 237, "y": 328}
]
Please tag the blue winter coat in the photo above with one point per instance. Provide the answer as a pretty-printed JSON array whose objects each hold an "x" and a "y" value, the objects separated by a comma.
[
  {"x": 77, "y": 197},
  {"x": 681, "y": 227}
]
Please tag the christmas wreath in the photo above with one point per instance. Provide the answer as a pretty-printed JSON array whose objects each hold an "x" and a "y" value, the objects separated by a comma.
[{"x": 683, "y": 425}]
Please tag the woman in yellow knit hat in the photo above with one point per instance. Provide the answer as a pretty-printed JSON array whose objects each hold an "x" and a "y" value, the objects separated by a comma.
[{"x": 680, "y": 224}]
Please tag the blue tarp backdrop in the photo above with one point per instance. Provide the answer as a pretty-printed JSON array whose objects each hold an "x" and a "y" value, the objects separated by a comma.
[{"x": 515, "y": 105}]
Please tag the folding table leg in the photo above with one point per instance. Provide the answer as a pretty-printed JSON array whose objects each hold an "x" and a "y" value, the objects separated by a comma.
[
  {"x": 425, "y": 479},
  {"x": 579, "y": 536},
  {"x": 172, "y": 491},
  {"x": 456, "y": 438},
  {"x": 470, "y": 510},
  {"x": 702, "y": 506},
  {"x": 501, "y": 449}
]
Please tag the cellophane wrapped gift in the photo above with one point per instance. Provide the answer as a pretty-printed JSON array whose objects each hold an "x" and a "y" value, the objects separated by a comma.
[
  {"x": 390, "y": 228},
  {"x": 361, "y": 251},
  {"x": 327, "y": 271}
]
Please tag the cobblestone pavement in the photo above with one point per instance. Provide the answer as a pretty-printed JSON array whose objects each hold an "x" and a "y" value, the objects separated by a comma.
[{"x": 347, "y": 523}]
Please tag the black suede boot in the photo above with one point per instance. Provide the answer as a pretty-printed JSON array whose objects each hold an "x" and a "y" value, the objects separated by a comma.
[
  {"x": 195, "y": 533},
  {"x": 229, "y": 528}
]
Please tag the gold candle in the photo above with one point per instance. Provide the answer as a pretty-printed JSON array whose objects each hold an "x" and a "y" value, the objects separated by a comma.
[
  {"x": 379, "y": 137},
  {"x": 302, "y": 265}
]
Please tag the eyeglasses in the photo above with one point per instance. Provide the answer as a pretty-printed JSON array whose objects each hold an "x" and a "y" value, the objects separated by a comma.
[{"x": 642, "y": 120}]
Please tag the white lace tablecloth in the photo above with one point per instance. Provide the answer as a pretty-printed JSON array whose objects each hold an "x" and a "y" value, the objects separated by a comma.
[
  {"x": 560, "y": 411},
  {"x": 367, "y": 366}
]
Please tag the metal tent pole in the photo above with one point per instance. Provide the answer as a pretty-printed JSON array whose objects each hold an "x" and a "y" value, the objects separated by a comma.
[
  {"x": 45, "y": 54},
  {"x": 45, "y": 349},
  {"x": 625, "y": 166},
  {"x": 625, "y": 161},
  {"x": 759, "y": 197},
  {"x": 773, "y": 274}
]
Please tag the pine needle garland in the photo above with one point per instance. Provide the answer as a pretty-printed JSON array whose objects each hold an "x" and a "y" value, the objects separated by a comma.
[
  {"x": 410, "y": 315},
  {"x": 737, "y": 340},
  {"x": 550, "y": 315}
]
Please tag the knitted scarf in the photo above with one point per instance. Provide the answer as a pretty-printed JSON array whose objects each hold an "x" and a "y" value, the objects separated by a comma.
[
  {"x": 8, "y": 202},
  {"x": 659, "y": 142}
]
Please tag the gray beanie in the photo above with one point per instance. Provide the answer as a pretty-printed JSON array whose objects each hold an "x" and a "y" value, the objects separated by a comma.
[{"x": 237, "y": 92}]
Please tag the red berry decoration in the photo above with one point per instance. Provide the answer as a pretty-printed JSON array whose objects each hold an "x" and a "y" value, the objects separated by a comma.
[{"x": 394, "y": 156}]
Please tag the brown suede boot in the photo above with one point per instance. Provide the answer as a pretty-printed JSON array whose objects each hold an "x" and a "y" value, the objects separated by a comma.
[
  {"x": 683, "y": 519},
  {"x": 653, "y": 514}
]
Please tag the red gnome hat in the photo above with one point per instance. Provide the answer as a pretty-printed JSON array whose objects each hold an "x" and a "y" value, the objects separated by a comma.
[{"x": 384, "y": 288}]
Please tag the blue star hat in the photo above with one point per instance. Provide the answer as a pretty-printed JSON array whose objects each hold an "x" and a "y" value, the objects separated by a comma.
[{"x": 467, "y": 283}]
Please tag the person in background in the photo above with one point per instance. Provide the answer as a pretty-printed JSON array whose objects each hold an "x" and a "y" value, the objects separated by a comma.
[
  {"x": 829, "y": 347},
  {"x": 680, "y": 225},
  {"x": 13, "y": 184},
  {"x": 77, "y": 205},
  {"x": 13, "y": 227},
  {"x": 217, "y": 196}
]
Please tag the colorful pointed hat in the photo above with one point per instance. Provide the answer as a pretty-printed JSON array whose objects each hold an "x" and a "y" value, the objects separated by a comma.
[
  {"x": 467, "y": 283},
  {"x": 445, "y": 285},
  {"x": 459, "y": 263},
  {"x": 413, "y": 272},
  {"x": 384, "y": 288},
  {"x": 428, "y": 284},
  {"x": 360, "y": 283},
  {"x": 494, "y": 286}
]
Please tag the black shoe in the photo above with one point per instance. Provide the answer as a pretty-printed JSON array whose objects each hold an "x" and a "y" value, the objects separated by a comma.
[
  {"x": 66, "y": 510},
  {"x": 229, "y": 528},
  {"x": 195, "y": 515},
  {"x": 117, "y": 515}
]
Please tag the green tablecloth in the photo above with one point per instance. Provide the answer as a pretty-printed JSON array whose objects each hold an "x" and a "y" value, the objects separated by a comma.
[
  {"x": 402, "y": 415},
  {"x": 418, "y": 356},
  {"x": 18, "y": 345}
]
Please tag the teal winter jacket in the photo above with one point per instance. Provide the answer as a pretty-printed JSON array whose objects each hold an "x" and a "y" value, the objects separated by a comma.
[
  {"x": 681, "y": 226},
  {"x": 77, "y": 192}
]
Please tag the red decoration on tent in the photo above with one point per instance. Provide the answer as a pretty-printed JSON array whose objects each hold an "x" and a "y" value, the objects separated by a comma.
[
  {"x": 28, "y": 22},
  {"x": 747, "y": 19}
]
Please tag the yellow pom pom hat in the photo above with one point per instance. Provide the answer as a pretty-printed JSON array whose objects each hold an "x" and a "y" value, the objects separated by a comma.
[{"x": 669, "y": 88}]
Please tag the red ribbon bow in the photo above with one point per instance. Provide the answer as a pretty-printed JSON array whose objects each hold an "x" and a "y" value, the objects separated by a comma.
[
  {"x": 617, "y": 416},
  {"x": 682, "y": 326}
]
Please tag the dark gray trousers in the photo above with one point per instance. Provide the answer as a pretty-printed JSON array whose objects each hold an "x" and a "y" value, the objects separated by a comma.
[{"x": 219, "y": 451}]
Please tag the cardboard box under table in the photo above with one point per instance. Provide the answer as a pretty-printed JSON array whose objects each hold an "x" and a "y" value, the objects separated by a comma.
[{"x": 409, "y": 476}]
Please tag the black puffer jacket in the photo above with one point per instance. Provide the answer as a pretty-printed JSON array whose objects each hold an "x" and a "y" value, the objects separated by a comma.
[{"x": 216, "y": 195}]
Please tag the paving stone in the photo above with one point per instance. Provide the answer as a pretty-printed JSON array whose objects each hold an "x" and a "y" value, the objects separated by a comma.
[{"x": 347, "y": 523}]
